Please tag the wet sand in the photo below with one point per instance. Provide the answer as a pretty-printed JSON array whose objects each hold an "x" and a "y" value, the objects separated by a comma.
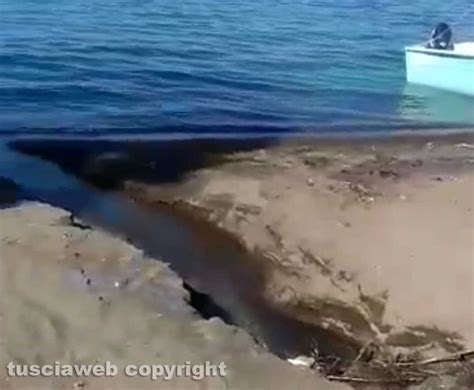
[
  {"x": 372, "y": 240},
  {"x": 60, "y": 301}
]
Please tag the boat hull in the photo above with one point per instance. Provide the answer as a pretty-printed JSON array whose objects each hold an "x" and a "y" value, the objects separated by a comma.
[{"x": 440, "y": 69}]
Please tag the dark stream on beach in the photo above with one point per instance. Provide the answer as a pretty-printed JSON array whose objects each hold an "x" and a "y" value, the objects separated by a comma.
[{"x": 224, "y": 280}]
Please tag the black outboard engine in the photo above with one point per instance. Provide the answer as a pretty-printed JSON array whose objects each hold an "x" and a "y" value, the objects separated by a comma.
[{"x": 441, "y": 38}]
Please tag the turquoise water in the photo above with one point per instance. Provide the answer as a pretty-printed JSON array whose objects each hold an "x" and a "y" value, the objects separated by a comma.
[{"x": 148, "y": 66}]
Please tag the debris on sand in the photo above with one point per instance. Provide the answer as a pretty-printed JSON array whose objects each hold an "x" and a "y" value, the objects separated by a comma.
[
  {"x": 79, "y": 385},
  {"x": 77, "y": 224},
  {"x": 464, "y": 145},
  {"x": 301, "y": 360},
  {"x": 363, "y": 194}
]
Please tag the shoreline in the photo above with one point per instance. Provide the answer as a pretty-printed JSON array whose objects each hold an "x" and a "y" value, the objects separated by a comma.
[
  {"x": 141, "y": 156},
  {"x": 189, "y": 132},
  {"x": 226, "y": 143},
  {"x": 225, "y": 189}
]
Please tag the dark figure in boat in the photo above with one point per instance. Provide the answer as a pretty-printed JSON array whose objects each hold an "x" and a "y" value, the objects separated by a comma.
[{"x": 441, "y": 38}]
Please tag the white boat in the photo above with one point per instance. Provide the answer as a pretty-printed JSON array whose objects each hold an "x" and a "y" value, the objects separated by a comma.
[{"x": 441, "y": 63}]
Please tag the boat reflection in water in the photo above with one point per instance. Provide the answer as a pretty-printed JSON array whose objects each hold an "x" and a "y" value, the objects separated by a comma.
[{"x": 422, "y": 103}]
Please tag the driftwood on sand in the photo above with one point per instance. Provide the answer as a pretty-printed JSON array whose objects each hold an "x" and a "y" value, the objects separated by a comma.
[{"x": 403, "y": 373}]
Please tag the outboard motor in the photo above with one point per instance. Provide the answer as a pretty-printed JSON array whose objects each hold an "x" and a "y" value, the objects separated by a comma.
[{"x": 441, "y": 38}]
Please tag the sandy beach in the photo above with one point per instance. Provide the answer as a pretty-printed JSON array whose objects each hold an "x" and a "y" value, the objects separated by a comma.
[
  {"x": 82, "y": 296},
  {"x": 385, "y": 228},
  {"x": 370, "y": 240}
]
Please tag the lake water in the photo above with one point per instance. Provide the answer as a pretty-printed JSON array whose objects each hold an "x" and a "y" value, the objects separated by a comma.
[{"x": 156, "y": 66}]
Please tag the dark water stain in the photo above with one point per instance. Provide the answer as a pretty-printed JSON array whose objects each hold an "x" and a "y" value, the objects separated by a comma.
[
  {"x": 224, "y": 280},
  {"x": 108, "y": 163},
  {"x": 206, "y": 306},
  {"x": 10, "y": 192},
  {"x": 230, "y": 266}
]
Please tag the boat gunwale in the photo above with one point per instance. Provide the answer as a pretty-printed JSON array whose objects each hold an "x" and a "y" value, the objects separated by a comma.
[{"x": 439, "y": 53}]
